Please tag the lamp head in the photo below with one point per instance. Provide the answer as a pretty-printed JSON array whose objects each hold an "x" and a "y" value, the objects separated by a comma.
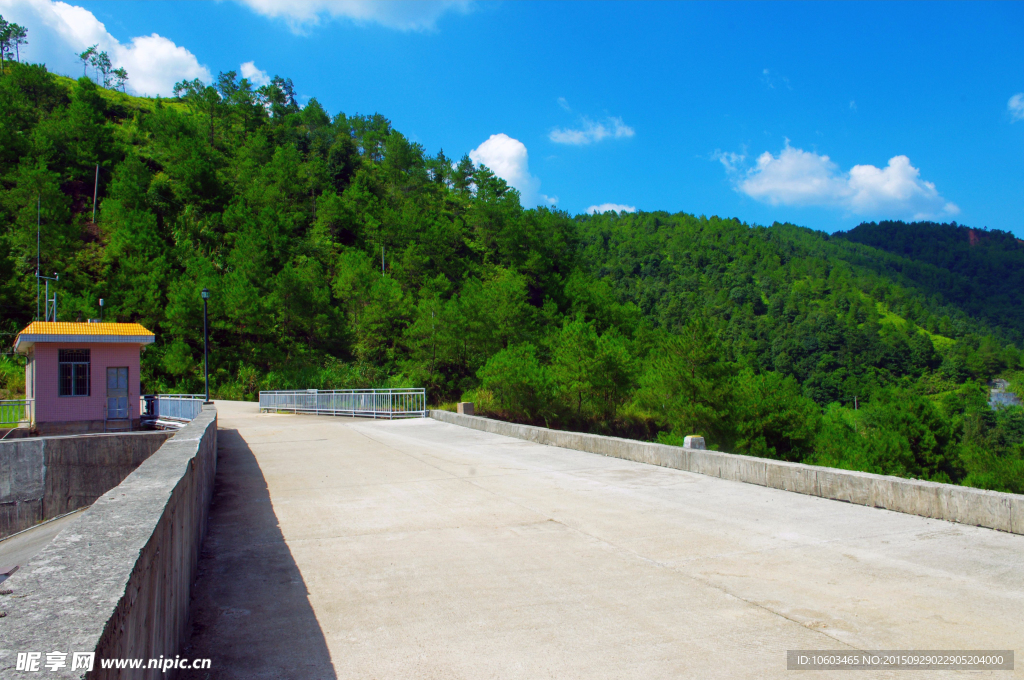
[
  {"x": 206, "y": 294},
  {"x": 101, "y": 302}
]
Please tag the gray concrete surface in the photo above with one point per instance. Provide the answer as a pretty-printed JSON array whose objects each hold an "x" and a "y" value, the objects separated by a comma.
[
  {"x": 44, "y": 477},
  {"x": 17, "y": 550},
  {"x": 343, "y": 548},
  {"x": 964, "y": 505},
  {"x": 118, "y": 579}
]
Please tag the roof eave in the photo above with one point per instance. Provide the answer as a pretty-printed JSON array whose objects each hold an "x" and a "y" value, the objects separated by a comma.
[{"x": 26, "y": 341}]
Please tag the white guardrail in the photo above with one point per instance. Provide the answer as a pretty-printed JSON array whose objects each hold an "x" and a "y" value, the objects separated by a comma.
[
  {"x": 181, "y": 408},
  {"x": 385, "y": 403}
]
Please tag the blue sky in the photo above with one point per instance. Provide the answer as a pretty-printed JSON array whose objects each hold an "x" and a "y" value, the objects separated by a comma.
[{"x": 820, "y": 114}]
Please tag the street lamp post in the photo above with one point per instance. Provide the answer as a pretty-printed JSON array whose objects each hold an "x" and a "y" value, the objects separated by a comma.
[{"x": 206, "y": 345}]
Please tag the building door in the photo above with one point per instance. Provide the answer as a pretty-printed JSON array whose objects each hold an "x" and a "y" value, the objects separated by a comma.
[{"x": 117, "y": 393}]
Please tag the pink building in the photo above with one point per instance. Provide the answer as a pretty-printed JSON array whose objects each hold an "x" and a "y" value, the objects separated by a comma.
[{"x": 83, "y": 377}]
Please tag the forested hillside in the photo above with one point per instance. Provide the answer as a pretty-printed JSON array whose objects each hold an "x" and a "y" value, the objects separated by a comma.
[
  {"x": 979, "y": 271},
  {"x": 340, "y": 254}
]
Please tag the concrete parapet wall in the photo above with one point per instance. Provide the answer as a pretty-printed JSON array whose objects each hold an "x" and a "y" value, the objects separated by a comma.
[
  {"x": 118, "y": 580},
  {"x": 966, "y": 505},
  {"x": 43, "y": 477}
]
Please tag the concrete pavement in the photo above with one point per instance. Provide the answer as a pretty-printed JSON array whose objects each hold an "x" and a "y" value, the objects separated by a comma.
[
  {"x": 416, "y": 549},
  {"x": 17, "y": 550}
]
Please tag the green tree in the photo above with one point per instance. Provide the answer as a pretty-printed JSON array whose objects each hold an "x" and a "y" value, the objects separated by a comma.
[
  {"x": 910, "y": 436},
  {"x": 591, "y": 369},
  {"x": 120, "y": 75},
  {"x": 772, "y": 418},
  {"x": 686, "y": 384},
  {"x": 101, "y": 62},
  {"x": 6, "y": 30},
  {"x": 86, "y": 57},
  {"x": 17, "y": 36},
  {"x": 521, "y": 385},
  {"x": 203, "y": 99}
]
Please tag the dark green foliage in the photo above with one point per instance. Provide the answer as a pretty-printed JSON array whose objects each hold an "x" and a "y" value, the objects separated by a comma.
[
  {"x": 519, "y": 383},
  {"x": 340, "y": 254},
  {"x": 979, "y": 271}
]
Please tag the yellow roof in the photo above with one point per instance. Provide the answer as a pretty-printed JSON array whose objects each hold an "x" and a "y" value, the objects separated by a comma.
[{"x": 65, "y": 331}]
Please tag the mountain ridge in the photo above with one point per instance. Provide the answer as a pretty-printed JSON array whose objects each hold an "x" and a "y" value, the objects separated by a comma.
[{"x": 340, "y": 254}]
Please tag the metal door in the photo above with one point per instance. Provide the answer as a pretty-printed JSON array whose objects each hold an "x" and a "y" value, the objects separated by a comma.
[{"x": 117, "y": 392}]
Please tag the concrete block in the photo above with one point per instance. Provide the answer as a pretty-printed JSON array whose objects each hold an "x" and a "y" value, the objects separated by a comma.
[
  {"x": 918, "y": 498},
  {"x": 465, "y": 408},
  {"x": 22, "y": 470},
  {"x": 19, "y": 515},
  {"x": 987, "y": 508},
  {"x": 703, "y": 462},
  {"x": 791, "y": 477},
  {"x": 1016, "y": 510},
  {"x": 752, "y": 470},
  {"x": 694, "y": 441},
  {"x": 667, "y": 456}
]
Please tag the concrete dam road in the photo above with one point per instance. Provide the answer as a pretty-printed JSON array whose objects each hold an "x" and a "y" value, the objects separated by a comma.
[{"x": 344, "y": 548}]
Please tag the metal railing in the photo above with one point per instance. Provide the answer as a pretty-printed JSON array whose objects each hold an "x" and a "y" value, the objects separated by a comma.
[
  {"x": 408, "y": 402},
  {"x": 174, "y": 407},
  {"x": 16, "y": 411}
]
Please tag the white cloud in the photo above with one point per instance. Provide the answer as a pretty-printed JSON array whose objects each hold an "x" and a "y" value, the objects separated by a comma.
[
  {"x": 155, "y": 64},
  {"x": 730, "y": 160},
  {"x": 58, "y": 31},
  {"x": 508, "y": 159},
  {"x": 403, "y": 15},
  {"x": 591, "y": 131},
  {"x": 254, "y": 75},
  {"x": 564, "y": 103},
  {"x": 1016, "y": 107},
  {"x": 615, "y": 207},
  {"x": 804, "y": 178},
  {"x": 772, "y": 79}
]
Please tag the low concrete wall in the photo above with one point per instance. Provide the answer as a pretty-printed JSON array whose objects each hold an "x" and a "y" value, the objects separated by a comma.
[
  {"x": 43, "y": 477},
  {"x": 991, "y": 509},
  {"x": 59, "y": 428},
  {"x": 118, "y": 581}
]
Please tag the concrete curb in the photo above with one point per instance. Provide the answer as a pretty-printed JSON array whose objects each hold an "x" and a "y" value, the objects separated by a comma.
[
  {"x": 966, "y": 505},
  {"x": 118, "y": 580}
]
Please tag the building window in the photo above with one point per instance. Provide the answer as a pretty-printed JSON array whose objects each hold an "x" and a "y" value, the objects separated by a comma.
[{"x": 73, "y": 372}]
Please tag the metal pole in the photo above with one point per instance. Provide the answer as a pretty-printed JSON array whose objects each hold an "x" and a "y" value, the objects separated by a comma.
[
  {"x": 95, "y": 189},
  {"x": 206, "y": 351},
  {"x": 38, "y": 209}
]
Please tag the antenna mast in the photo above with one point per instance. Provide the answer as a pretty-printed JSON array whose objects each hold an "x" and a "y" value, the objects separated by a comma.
[
  {"x": 38, "y": 208},
  {"x": 95, "y": 189},
  {"x": 55, "y": 277}
]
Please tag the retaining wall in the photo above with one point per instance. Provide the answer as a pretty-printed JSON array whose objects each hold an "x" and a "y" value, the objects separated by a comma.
[
  {"x": 117, "y": 582},
  {"x": 43, "y": 477},
  {"x": 966, "y": 505}
]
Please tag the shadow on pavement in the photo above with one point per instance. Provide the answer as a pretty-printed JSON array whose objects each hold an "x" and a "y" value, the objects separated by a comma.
[{"x": 250, "y": 609}]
